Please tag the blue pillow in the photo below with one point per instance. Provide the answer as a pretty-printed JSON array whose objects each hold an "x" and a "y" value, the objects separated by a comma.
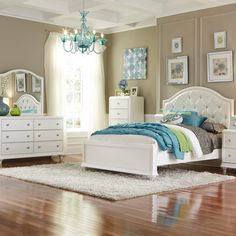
[{"x": 193, "y": 120}]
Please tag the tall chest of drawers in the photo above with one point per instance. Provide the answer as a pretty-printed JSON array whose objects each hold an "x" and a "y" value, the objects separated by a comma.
[
  {"x": 126, "y": 109},
  {"x": 31, "y": 136}
]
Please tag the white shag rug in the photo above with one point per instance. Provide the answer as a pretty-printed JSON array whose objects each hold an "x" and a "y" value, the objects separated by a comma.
[{"x": 110, "y": 185}]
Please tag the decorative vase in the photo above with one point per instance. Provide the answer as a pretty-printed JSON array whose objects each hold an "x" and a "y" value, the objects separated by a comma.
[
  {"x": 15, "y": 111},
  {"x": 4, "y": 108}
]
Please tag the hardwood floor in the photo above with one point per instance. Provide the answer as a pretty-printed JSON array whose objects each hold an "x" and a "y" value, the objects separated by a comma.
[{"x": 33, "y": 209}]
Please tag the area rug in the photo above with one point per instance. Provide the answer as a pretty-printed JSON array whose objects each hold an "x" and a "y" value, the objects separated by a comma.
[{"x": 110, "y": 185}]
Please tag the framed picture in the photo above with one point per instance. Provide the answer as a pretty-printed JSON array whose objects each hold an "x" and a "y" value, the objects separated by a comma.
[
  {"x": 177, "y": 70},
  {"x": 134, "y": 91},
  {"x": 233, "y": 122},
  {"x": 36, "y": 84},
  {"x": 20, "y": 82},
  {"x": 220, "y": 40},
  {"x": 220, "y": 66},
  {"x": 176, "y": 45},
  {"x": 135, "y": 63}
]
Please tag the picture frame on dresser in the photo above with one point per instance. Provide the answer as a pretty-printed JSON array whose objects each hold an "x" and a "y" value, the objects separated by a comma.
[{"x": 233, "y": 122}]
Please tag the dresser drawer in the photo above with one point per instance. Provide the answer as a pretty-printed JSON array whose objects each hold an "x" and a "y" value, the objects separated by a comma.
[
  {"x": 229, "y": 155},
  {"x": 118, "y": 121},
  {"x": 119, "y": 113},
  {"x": 118, "y": 103},
  {"x": 17, "y": 136},
  {"x": 17, "y": 124},
  {"x": 229, "y": 140},
  {"x": 48, "y": 124},
  {"x": 16, "y": 148},
  {"x": 51, "y": 146},
  {"x": 48, "y": 135}
]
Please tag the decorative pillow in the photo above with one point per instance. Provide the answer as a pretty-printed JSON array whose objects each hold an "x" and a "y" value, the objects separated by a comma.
[
  {"x": 212, "y": 127},
  {"x": 172, "y": 119},
  {"x": 193, "y": 120}
]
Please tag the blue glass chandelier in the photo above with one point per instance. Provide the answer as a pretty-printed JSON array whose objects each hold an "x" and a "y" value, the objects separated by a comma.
[{"x": 84, "y": 40}]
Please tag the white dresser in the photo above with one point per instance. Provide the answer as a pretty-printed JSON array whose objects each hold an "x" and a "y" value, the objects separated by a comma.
[
  {"x": 30, "y": 136},
  {"x": 126, "y": 109},
  {"x": 228, "y": 149}
]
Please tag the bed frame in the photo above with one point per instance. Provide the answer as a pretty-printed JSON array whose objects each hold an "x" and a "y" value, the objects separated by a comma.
[{"x": 143, "y": 159}]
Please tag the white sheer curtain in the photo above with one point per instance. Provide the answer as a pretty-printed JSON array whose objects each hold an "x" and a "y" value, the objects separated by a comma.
[
  {"x": 93, "y": 115},
  {"x": 93, "y": 99},
  {"x": 53, "y": 56}
]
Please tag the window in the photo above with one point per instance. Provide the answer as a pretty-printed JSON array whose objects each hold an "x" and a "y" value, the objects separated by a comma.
[{"x": 72, "y": 90}]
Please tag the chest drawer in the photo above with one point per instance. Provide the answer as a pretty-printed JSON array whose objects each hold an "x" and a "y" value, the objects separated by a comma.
[
  {"x": 48, "y": 124},
  {"x": 229, "y": 140},
  {"x": 48, "y": 135},
  {"x": 119, "y": 113},
  {"x": 16, "y": 148},
  {"x": 118, "y": 103},
  {"x": 51, "y": 146},
  {"x": 229, "y": 155},
  {"x": 118, "y": 121},
  {"x": 17, "y": 124},
  {"x": 17, "y": 136}
]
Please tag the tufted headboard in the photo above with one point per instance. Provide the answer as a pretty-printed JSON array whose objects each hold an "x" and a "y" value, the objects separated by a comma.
[
  {"x": 29, "y": 105},
  {"x": 205, "y": 101}
]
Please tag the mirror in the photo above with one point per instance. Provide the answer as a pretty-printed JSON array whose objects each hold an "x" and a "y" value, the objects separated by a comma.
[{"x": 24, "y": 88}]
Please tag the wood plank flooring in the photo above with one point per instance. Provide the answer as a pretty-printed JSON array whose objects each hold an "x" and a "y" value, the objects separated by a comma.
[{"x": 33, "y": 209}]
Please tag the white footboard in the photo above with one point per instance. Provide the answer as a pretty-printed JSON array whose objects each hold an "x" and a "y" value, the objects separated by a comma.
[{"x": 130, "y": 158}]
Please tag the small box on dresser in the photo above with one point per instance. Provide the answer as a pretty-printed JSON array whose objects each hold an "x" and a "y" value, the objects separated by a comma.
[
  {"x": 228, "y": 149},
  {"x": 126, "y": 109}
]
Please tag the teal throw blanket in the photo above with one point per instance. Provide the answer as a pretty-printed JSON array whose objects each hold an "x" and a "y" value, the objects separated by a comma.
[{"x": 163, "y": 135}]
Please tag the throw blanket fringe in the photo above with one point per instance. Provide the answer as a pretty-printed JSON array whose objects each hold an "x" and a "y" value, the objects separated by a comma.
[{"x": 162, "y": 134}]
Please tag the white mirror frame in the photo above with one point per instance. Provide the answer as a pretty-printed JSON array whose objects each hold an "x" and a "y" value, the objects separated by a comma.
[{"x": 33, "y": 75}]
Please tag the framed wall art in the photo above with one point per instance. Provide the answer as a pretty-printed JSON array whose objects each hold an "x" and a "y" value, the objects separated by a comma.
[
  {"x": 20, "y": 82},
  {"x": 220, "y": 40},
  {"x": 36, "y": 84},
  {"x": 176, "y": 45},
  {"x": 177, "y": 70},
  {"x": 220, "y": 66},
  {"x": 135, "y": 63}
]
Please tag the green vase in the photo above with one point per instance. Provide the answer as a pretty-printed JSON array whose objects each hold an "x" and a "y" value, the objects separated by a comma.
[
  {"x": 4, "y": 108},
  {"x": 15, "y": 111}
]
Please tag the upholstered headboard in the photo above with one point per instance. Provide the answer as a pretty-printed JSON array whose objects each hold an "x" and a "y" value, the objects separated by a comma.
[
  {"x": 205, "y": 101},
  {"x": 29, "y": 105}
]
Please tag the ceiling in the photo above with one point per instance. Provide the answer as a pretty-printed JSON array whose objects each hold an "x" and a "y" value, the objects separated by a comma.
[{"x": 106, "y": 16}]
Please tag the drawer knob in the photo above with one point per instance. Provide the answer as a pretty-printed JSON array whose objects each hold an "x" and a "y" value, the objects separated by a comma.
[
  {"x": 28, "y": 124},
  {"x": 57, "y": 146},
  {"x": 39, "y": 124},
  {"x": 28, "y": 136},
  {"x": 229, "y": 140},
  {"x": 7, "y": 148},
  {"x": 7, "y": 136},
  {"x": 57, "y": 123},
  {"x": 118, "y": 113},
  {"x": 39, "y": 135},
  {"x": 28, "y": 148},
  {"x": 7, "y": 124},
  {"x": 57, "y": 135},
  {"x": 229, "y": 155},
  {"x": 118, "y": 103},
  {"x": 39, "y": 147}
]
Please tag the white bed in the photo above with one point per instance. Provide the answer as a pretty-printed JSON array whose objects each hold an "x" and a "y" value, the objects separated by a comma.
[{"x": 141, "y": 155}]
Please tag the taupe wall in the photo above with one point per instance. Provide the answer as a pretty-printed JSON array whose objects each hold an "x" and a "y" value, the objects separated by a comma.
[
  {"x": 196, "y": 29},
  {"x": 22, "y": 44},
  {"x": 146, "y": 37}
]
